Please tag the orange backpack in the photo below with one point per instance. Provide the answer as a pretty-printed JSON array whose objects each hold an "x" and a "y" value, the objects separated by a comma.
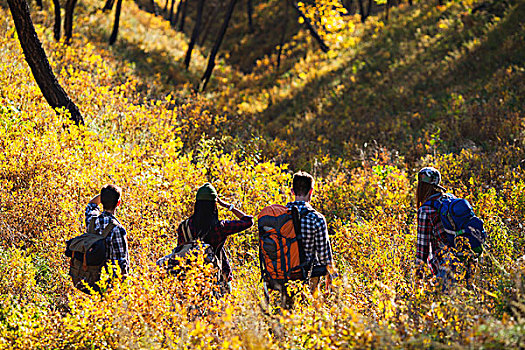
[{"x": 281, "y": 251}]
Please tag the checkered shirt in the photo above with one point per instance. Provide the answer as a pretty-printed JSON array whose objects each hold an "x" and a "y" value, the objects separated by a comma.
[
  {"x": 431, "y": 237},
  {"x": 316, "y": 242},
  {"x": 116, "y": 241}
]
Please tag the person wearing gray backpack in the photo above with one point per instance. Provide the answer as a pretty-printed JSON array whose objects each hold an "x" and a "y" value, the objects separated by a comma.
[{"x": 105, "y": 241}]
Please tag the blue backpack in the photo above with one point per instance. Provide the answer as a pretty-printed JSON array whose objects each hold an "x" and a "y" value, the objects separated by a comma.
[{"x": 459, "y": 220}]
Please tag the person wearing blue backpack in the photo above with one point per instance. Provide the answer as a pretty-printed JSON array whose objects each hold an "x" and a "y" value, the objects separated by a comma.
[{"x": 448, "y": 231}]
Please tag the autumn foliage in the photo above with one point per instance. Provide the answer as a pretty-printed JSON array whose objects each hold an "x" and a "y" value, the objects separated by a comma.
[{"x": 161, "y": 145}]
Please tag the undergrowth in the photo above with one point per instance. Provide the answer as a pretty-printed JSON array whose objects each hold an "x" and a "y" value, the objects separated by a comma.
[{"x": 161, "y": 145}]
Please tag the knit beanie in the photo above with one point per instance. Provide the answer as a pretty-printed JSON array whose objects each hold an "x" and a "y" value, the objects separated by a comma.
[{"x": 207, "y": 193}]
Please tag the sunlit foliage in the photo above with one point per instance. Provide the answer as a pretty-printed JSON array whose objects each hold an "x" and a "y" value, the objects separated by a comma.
[{"x": 161, "y": 146}]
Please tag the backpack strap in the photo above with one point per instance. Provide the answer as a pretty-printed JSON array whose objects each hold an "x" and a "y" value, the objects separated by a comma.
[
  {"x": 107, "y": 229},
  {"x": 91, "y": 226},
  {"x": 186, "y": 231},
  {"x": 296, "y": 219}
]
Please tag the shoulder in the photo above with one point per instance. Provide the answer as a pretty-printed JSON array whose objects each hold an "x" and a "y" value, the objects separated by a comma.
[
  {"x": 118, "y": 228},
  {"x": 425, "y": 209},
  {"x": 312, "y": 213},
  {"x": 314, "y": 216}
]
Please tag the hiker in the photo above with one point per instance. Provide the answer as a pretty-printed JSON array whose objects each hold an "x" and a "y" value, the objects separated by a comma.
[
  {"x": 204, "y": 224},
  {"x": 114, "y": 247},
  {"x": 294, "y": 243},
  {"x": 316, "y": 242},
  {"x": 431, "y": 235},
  {"x": 449, "y": 234}
]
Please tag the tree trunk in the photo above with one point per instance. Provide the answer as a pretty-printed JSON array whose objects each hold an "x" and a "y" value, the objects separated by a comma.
[
  {"x": 208, "y": 22},
  {"x": 194, "y": 34},
  {"x": 183, "y": 16},
  {"x": 311, "y": 28},
  {"x": 249, "y": 9},
  {"x": 166, "y": 6},
  {"x": 58, "y": 20},
  {"x": 410, "y": 2},
  {"x": 283, "y": 35},
  {"x": 37, "y": 60},
  {"x": 154, "y": 7},
  {"x": 211, "y": 61},
  {"x": 362, "y": 11},
  {"x": 108, "y": 6},
  {"x": 348, "y": 5},
  {"x": 114, "y": 33},
  {"x": 369, "y": 9},
  {"x": 39, "y": 4},
  {"x": 68, "y": 20},
  {"x": 177, "y": 15},
  {"x": 388, "y": 5}
]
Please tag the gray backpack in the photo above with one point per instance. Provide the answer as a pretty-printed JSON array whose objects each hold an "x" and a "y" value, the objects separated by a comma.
[{"x": 88, "y": 256}]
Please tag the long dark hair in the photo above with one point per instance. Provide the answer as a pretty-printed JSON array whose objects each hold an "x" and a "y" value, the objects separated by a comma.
[
  {"x": 424, "y": 191},
  {"x": 205, "y": 216}
]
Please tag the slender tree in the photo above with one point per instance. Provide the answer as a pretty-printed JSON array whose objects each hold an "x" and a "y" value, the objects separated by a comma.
[
  {"x": 166, "y": 6},
  {"x": 311, "y": 28},
  {"x": 249, "y": 9},
  {"x": 68, "y": 20},
  {"x": 108, "y": 6},
  {"x": 369, "y": 8},
  {"x": 211, "y": 60},
  {"x": 362, "y": 10},
  {"x": 208, "y": 22},
  {"x": 171, "y": 11},
  {"x": 39, "y": 4},
  {"x": 153, "y": 6},
  {"x": 283, "y": 34},
  {"x": 37, "y": 59},
  {"x": 183, "y": 16},
  {"x": 388, "y": 5},
  {"x": 114, "y": 33},
  {"x": 195, "y": 33},
  {"x": 58, "y": 20}
]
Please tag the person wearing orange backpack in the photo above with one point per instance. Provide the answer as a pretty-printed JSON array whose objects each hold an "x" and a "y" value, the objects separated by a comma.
[
  {"x": 294, "y": 243},
  {"x": 314, "y": 231}
]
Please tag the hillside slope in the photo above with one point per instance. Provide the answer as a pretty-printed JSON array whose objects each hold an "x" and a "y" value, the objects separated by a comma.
[{"x": 454, "y": 85}]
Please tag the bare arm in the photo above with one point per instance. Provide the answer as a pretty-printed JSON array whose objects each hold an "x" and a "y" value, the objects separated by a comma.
[
  {"x": 239, "y": 214},
  {"x": 95, "y": 200}
]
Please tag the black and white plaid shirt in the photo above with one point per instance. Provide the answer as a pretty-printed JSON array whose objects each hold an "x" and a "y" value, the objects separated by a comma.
[
  {"x": 316, "y": 242},
  {"x": 116, "y": 241}
]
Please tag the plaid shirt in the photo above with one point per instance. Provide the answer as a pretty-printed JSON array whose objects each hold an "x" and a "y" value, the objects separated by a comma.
[
  {"x": 116, "y": 241},
  {"x": 431, "y": 237},
  {"x": 316, "y": 242},
  {"x": 217, "y": 237}
]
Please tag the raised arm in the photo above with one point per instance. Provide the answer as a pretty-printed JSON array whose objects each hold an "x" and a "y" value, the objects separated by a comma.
[
  {"x": 238, "y": 213},
  {"x": 95, "y": 200},
  {"x": 92, "y": 209}
]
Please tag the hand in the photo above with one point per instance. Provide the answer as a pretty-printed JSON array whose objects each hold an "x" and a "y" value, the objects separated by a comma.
[{"x": 328, "y": 282}]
